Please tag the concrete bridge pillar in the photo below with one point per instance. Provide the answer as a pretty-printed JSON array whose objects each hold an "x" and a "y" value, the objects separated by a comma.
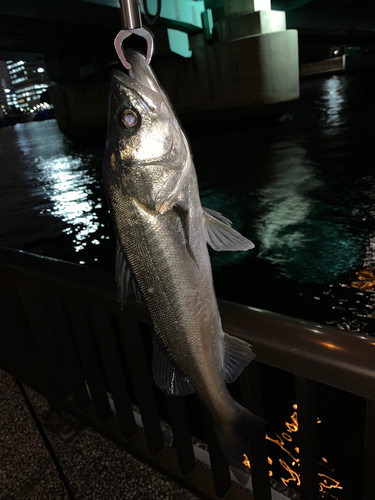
[{"x": 249, "y": 64}]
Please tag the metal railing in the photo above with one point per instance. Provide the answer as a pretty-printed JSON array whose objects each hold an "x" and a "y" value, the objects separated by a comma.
[{"x": 63, "y": 333}]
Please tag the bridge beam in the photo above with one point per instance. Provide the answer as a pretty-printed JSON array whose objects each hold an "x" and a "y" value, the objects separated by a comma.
[{"x": 65, "y": 11}]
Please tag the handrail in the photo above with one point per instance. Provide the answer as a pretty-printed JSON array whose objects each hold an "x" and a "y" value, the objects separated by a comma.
[
  {"x": 318, "y": 352},
  {"x": 63, "y": 333}
]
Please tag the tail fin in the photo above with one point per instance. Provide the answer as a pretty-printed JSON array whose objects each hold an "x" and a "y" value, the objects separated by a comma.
[{"x": 237, "y": 440}]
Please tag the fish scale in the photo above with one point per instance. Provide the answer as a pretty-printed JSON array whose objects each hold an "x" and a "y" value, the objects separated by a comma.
[{"x": 163, "y": 231}]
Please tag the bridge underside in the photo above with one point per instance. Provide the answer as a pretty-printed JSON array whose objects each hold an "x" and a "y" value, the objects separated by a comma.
[
  {"x": 75, "y": 38},
  {"x": 37, "y": 27},
  {"x": 32, "y": 28}
]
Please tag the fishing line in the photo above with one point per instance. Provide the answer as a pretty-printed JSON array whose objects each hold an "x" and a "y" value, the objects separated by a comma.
[
  {"x": 46, "y": 440},
  {"x": 151, "y": 20}
]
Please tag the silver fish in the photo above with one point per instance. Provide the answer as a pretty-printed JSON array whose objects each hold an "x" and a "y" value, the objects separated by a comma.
[{"x": 163, "y": 232}]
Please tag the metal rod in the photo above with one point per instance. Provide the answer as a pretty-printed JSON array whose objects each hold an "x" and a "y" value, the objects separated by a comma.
[{"x": 130, "y": 14}]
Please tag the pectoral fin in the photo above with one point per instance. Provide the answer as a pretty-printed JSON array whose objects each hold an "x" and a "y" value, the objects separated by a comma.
[
  {"x": 184, "y": 217},
  {"x": 237, "y": 355},
  {"x": 126, "y": 284},
  {"x": 166, "y": 375},
  {"x": 168, "y": 194},
  {"x": 220, "y": 235}
]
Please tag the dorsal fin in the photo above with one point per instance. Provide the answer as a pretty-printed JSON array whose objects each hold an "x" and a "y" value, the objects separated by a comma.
[{"x": 220, "y": 235}]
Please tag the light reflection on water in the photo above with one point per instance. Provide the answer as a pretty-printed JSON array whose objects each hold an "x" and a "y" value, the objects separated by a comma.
[
  {"x": 293, "y": 228},
  {"x": 329, "y": 486},
  {"x": 51, "y": 195},
  {"x": 291, "y": 189},
  {"x": 67, "y": 184},
  {"x": 287, "y": 468},
  {"x": 285, "y": 205},
  {"x": 333, "y": 101},
  {"x": 309, "y": 204}
]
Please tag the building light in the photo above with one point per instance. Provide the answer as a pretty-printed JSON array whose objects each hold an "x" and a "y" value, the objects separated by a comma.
[{"x": 40, "y": 70}]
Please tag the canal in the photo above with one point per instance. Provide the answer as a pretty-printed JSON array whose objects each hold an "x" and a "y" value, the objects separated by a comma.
[{"x": 302, "y": 189}]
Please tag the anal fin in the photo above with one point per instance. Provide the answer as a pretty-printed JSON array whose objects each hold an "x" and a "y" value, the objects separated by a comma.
[{"x": 237, "y": 355}]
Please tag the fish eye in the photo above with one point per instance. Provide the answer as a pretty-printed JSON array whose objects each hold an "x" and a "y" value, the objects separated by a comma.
[{"x": 128, "y": 119}]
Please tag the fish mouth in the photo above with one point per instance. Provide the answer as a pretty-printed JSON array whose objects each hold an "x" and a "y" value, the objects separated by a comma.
[
  {"x": 142, "y": 80},
  {"x": 145, "y": 76},
  {"x": 149, "y": 98},
  {"x": 141, "y": 72}
]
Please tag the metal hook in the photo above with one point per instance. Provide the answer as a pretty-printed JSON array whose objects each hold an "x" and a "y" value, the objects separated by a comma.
[
  {"x": 132, "y": 23},
  {"x": 142, "y": 32}
]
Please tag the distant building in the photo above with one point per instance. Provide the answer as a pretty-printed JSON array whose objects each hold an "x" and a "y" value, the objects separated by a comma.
[
  {"x": 28, "y": 81},
  {"x": 4, "y": 106}
]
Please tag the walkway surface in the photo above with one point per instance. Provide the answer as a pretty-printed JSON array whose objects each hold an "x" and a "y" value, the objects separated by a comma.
[{"x": 95, "y": 469}]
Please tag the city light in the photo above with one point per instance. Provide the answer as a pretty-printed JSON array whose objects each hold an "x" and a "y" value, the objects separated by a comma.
[{"x": 28, "y": 81}]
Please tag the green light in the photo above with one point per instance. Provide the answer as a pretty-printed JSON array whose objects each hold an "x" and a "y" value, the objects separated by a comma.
[
  {"x": 184, "y": 11},
  {"x": 179, "y": 42},
  {"x": 208, "y": 23}
]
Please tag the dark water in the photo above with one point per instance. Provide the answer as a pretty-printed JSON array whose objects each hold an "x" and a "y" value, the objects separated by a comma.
[{"x": 303, "y": 190}]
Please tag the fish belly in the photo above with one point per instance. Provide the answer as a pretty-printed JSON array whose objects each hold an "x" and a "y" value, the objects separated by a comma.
[{"x": 179, "y": 295}]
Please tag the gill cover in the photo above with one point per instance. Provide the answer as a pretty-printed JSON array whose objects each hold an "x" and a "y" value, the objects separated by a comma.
[{"x": 144, "y": 135}]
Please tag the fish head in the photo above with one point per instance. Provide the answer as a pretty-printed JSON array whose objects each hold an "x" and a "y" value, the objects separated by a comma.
[{"x": 146, "y": 149}]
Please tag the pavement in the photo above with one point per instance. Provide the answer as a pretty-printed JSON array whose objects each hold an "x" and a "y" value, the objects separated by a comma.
[{"x": 94, "y": 468}]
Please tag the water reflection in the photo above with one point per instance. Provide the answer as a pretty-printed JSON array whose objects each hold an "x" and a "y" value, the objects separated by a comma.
[
  {"x": 290, "y": 461},
  {"x": 362, "y": 280},
  {"x": 295, "y": 228},
  {"x": 285, "y": 204},
  {"x": 67, "y": 183},
  {"x": 333, "y": 100}
]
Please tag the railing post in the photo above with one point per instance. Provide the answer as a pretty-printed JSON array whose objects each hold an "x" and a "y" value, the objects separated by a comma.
[
  {"x": 77, "y": 312},
  {"x": 113, "y": 369},
  {"x": 67, "y": 349},
  {"x": 307, "y": 436},
  {"x": 219, "y": 464},
  {"x": 45, "y": 339},
  {"x": 369, "y": 462},
  {"x": 16, "y": 339},
  {"x": 181, "y": 433},
  {"x": 134, "y": 351},
  {"x": 251, "y": 392}
]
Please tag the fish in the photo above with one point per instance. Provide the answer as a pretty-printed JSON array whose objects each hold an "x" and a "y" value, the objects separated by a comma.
[{"x": 162, "y": 256}]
